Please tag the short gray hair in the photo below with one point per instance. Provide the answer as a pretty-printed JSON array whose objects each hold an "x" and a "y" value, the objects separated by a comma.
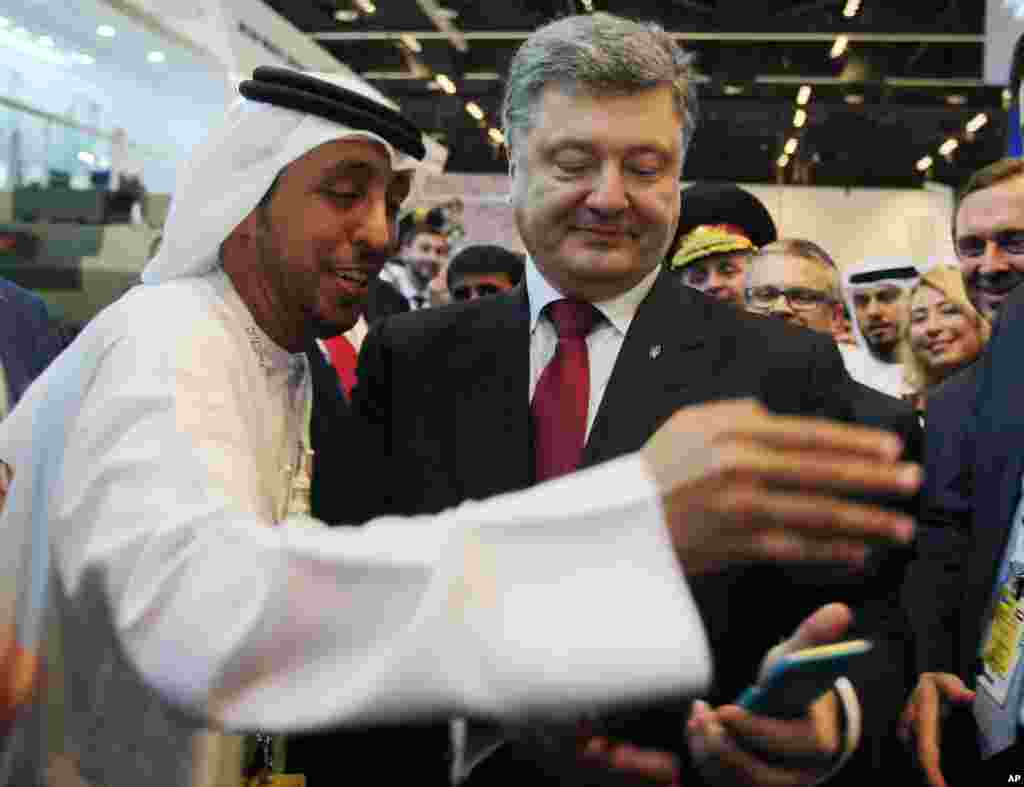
[
  {"x": 603, "y": 54},
  {"x": 805, "y": 250}
]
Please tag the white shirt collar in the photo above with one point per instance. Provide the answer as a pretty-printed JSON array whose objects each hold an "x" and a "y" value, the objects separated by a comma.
[{"x": 619, "y": 311}]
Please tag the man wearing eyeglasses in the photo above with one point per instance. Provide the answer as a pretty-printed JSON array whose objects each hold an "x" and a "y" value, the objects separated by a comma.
[
  {"x": 797, "y": 281},
  {"x": 960, "y": 589},
  {"x": 481, "y": 270}
]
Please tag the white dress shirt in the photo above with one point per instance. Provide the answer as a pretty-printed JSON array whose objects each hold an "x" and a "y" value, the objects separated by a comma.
[{"x": 603, "y": 342}]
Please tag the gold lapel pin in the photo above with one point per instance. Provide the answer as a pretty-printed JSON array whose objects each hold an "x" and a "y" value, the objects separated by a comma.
[{"x": 655, "y": 351}]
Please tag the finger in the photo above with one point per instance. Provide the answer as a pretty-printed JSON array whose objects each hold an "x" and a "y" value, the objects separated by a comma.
[
  {"x": 821, "y": 517},
  {"x": 658, "y": 766},
  {"x": 823, "y": 626},
  {"x": 794, "y": 739},
  {"x": 951, "y": 688},
  {"x": 818, "y": 434},
  {"x": 928, "y": 731},
  {"x": 729, "y": 760},
  {"x": 817, "y": 470}
]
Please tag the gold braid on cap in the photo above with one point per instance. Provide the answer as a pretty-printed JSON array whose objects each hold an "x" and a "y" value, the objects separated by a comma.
[{"x": 708, "y": 239}]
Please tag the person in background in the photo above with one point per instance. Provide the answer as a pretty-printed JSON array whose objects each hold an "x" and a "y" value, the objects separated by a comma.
[
  {"x": 423, "y": 252},
  {"x": 877, "y": 292},
  {"x": 29, "y": 342},
  {"x": 482, "y": 270},
  {"x": 944, "y": 334},
  {"x": 972, "y": 485},
  {"x": 720, "y": 227}
]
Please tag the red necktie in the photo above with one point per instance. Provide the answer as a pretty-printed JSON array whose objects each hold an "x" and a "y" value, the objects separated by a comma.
[
  {"x": 343, "y": 358},
  {"x": 562, "y": 396}
]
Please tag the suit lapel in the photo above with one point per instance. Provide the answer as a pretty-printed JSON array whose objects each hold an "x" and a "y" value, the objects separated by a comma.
[
  {"x": 999, "y": 463},
  {"x": 490, "y": 365},
  {"x": 664, "y": 363}
]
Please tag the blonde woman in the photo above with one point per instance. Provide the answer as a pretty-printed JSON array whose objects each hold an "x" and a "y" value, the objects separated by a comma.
[{"x": 945, "y": 332}]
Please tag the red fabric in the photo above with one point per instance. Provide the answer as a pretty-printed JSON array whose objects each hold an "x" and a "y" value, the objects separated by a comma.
[
  {"x": 343, "y": 358},
  {"x": 562, "y": 396}
]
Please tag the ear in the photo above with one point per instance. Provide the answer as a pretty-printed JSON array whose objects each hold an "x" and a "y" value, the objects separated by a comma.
[
  {"x": 252, "y": 226},
  {"x": 837, "y": 317}
]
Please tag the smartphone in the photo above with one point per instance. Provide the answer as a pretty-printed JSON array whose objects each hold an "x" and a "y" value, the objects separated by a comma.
[{"x": 795, "y": 681}]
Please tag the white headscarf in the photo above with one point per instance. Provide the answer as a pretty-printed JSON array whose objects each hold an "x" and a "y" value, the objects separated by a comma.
[
  {"x": 230, "y": 172},
  {"x": 877, "y": 265},
  {"x": 864, "y": 366}
]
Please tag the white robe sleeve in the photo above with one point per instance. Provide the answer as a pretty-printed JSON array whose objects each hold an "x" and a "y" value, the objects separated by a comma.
[{"x": 566, "y": 594}]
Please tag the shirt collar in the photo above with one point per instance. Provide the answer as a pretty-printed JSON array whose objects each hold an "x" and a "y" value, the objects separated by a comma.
[{"x": 619, "y": 311}]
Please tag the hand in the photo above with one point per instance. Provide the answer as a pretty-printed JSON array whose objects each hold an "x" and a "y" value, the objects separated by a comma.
[
  {"x": 733, "y": 746},
  {"x": 740, "y": 484},
  {"x": 920, "y": 726},
  {"x": 6, "y": 476},
  {"x": 657, "y": 767},
  {"x": 19, "y": 677},
  {"x": 438, "y": 288}
]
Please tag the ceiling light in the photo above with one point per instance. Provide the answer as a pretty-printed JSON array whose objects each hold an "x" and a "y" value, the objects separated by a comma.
[
  {"x": 948, "y": 146},
  {"x": 366, "y": 6},
  {"x": 851, "y": 9},
  {"x": 956, "y": 99},
  {"x": 977, "y": 122},
  {"x": 853, "y": 98},
  {"x": 346, "y": 15},
  {"x": 799, "y": 118},
  {"x": 85, "y": 60},
  {"x": 840, "y": 45},
  {"x": 924, "y": 163},
  {"x": 156, "y": 57},
  {"x": 782, "y": 160},
  {"x": 445, "y": 84},
  {"x": 791, "y": 144},
  {"x": 733, "y": 90},
  {"x": 106, "y": 31},
  {"x": 496, "y": 136},
  {"x": 411, "y": 42},
  {"x": 29, "y": 47},
  {"x": 474, "y": 109},
  {"x": 87, "y": 158},
  {"x": 803, "y": 95}
]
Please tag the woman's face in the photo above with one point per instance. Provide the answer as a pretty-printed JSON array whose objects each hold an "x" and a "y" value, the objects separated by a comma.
[{"x": 942, "y": 336}]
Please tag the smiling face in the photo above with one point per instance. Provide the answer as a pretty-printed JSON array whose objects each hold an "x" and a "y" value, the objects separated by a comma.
[
  {"x": 596, "y": 188},
  {"x": 425, "y": 254},
  {"x": 992, "y": 264},
  {"x": 942, "y": 336},
  {"x": 323, "y": 235}
]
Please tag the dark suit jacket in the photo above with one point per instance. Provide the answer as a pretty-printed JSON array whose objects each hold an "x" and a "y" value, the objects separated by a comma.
[
  {"x": 28, "y": 340},
  {"x": 444, "y": 395},
  {"x": 974, "y": 449}
]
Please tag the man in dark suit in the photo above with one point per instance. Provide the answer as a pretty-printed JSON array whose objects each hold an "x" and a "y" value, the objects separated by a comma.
[
  {"x": 969, "y": 496},
  {"x": 29, "y": 341},
  {"x": 451, "y": 396}
]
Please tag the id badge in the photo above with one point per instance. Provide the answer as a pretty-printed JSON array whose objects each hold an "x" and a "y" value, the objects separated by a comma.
[
  {"x": 301, "y": 485},
  {"x": 276, "y": 780},
  {"x": 1001, "y": 651}
]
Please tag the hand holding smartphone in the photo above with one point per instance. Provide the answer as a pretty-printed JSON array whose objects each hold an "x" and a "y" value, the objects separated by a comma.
[{"x": 797, "y": 679}]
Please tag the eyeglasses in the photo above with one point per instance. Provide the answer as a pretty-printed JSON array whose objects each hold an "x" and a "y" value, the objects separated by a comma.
[
  {"x": 1009, "y": 241},
  {"x": 464, "y": 291},
  {"x": 800, "y": 299}
]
